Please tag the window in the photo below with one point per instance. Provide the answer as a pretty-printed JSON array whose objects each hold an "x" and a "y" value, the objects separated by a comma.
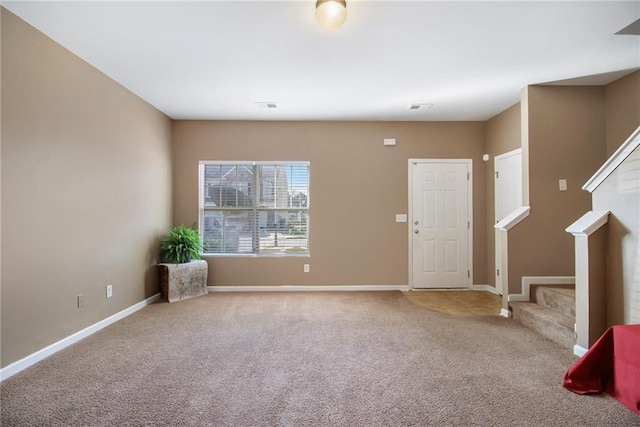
[{"x": 254, "y": 207}]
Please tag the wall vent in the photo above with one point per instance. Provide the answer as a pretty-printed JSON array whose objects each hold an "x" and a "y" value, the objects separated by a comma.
[
  {"x": 420, "y": 106},
  {"x": 266, "y": 104}
]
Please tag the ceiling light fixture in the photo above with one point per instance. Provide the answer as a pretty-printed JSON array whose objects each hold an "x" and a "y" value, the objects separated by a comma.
[{"x": 331, "y": 13}]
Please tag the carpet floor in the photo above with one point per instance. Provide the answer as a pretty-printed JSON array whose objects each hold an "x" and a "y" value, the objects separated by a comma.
[{"x": 305, "y": 359}]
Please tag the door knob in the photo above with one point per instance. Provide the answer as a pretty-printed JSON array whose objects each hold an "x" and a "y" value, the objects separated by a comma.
[
  {"x": 416, "y": 223},
  {"x": 416, "y": 231}
]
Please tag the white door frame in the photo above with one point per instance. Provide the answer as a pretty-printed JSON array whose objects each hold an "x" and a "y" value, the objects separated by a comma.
[
  {"x": 498, "y": 268},
  {"x": 469, "y": 163}
]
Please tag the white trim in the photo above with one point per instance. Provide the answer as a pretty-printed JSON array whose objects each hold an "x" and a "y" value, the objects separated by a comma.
[
  {"x": 469, "y": 163},
  {"x": 201, "y": 199},
  {"x": 502, "y": 246},
  {"x": 524, "y": 142},
  {"x": 487, "y": 288},
  {"x": 298, "y": 288},
  {"x": 507, "y": 154},
  {"x": 588, "y": 223},
  {"x": 527, "y": 281},
  {"x": 496, "y": 160},
  {"x": 206, "y": 256},
  {"x": 614, "y": 161},
  {"x": 470, "y": 219},
  {"x": 255, "y": 209},
  {"x": 410, "y": 222},
  {"x": 39, "y": 355},
  {"x": 515, "y": 217},
  {"x": 499, "y": 243},
  {"x": 255, "y": 162},
  {"x": 579, "y": 351},
  {"x": 505, "y": 313}
]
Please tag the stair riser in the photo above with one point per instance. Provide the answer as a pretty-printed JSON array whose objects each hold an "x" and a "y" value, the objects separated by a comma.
[
  {"x": 558, "y": 333},
  {"x": 558, "y": 302}
]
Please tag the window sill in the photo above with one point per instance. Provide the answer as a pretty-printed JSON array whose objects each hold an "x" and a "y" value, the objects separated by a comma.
[{"x": 276, "y": 255}]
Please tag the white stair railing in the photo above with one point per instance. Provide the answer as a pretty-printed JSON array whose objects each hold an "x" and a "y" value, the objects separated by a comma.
[
  {"x": 591, "y": 242},
  {"x": 502, "y": 253}
]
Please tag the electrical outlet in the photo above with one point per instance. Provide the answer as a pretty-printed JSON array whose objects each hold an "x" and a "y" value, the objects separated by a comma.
[
  {"x": 306, "y": 268},
  {"x": 80, "y": 300},
  {"x": 109, "y": 291}
]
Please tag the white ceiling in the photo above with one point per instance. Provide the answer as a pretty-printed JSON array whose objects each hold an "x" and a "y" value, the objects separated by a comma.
[{"x": 215, "y": 59}]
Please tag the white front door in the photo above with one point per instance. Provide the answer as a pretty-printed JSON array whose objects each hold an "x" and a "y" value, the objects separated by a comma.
[
  {"x": 440, "y": 223},
  {"x": 508, "y": 197}
]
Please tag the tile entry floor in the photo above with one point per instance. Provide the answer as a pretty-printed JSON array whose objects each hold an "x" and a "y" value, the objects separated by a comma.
[{"x": 457, "y": 303}]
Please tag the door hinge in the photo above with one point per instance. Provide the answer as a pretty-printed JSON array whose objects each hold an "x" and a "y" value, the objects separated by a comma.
[
  {"x": 468, "y": 175},
  {"x": 468, "y": 225},
  {"x": 498, "y": 272},
  {"x": 497, "y": 174},
  {"x": 468, "y": 274}
]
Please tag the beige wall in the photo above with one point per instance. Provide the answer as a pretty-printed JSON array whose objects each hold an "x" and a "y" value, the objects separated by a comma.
[
  {"x": 620, "y": 194},
  {"x": 357, "y": 186},
  {"x": 598, "y": 243},
  {"x": 1, "y": 9},
  {"x": 86, "y": 189},
  {"x": 566, "y": 134},
  {"x": 502, "y": 136},
  {"x": 622, "y": 99},
  {"x": 86, "y": 192}
]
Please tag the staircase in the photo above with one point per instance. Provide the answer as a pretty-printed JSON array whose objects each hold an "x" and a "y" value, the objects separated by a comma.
[{"x": 552, "y": 313}]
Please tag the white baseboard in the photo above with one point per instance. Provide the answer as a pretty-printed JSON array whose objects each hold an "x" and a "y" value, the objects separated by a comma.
[
  {"x": 487, "y": 288},
  {"x": 287, "y": 288},
  {"x": 505, "y": 313},
  {"x": 527, "y": 281},
  {"x": 579, "y": 351},
  {"x": 39, "y": 355}
]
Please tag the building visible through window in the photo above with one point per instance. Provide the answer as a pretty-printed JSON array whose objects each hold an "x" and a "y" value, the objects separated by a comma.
[{"x": 254, "y": 208}]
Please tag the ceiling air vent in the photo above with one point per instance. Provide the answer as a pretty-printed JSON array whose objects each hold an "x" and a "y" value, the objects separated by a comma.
[
  {"x": 266, "y": 104},
  {"x": 420, "y": 106}
]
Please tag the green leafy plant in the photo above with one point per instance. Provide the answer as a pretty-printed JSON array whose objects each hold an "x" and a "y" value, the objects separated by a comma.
[{"x": 181, "y": 245}]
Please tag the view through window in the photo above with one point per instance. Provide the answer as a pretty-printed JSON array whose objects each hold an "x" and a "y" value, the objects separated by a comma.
[{"x": 254, "y": 207}]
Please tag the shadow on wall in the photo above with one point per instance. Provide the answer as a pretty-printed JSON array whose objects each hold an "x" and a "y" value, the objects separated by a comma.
[
  {"x": 634, "y": 294},
  {"x": 151, "y": 281},
  {"x": 628, "y": 184},
  {"x": 151, "y": 278},
  {"x": 623, "y": 289},
  {"x": 615, "y": 287}
]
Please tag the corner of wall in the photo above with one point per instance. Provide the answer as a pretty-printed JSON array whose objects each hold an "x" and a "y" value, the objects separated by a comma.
[
  {"x": 622, "y": 109},
  {"x": 1, "y": 14},
  {"x": 559, "y": 123},
  {"x": 97, "y": 176},
  {"x": 524, "y": 141}
]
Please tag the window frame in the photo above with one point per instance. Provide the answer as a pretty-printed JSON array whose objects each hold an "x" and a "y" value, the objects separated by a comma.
[{"x": 255, "y": 209}]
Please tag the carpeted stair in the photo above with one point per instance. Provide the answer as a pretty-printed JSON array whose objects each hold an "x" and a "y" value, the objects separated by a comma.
[{"x": 552, "y": 313}]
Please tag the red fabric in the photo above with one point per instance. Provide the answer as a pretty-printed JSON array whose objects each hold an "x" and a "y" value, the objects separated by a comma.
[{"x": 612, "y": 364}]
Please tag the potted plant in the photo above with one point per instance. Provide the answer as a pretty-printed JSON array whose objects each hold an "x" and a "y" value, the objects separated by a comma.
[
  {"x": 179, "y": 277},
  {"x": 181, "y": 245}
]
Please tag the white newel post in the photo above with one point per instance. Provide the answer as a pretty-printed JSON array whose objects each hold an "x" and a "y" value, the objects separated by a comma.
[
  {"x": 502, "y": 253},
  {"x": 590, "y": 289}
]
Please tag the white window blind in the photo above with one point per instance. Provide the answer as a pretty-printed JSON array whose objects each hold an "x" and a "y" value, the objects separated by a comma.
[{"x": 254, "y": 207}]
